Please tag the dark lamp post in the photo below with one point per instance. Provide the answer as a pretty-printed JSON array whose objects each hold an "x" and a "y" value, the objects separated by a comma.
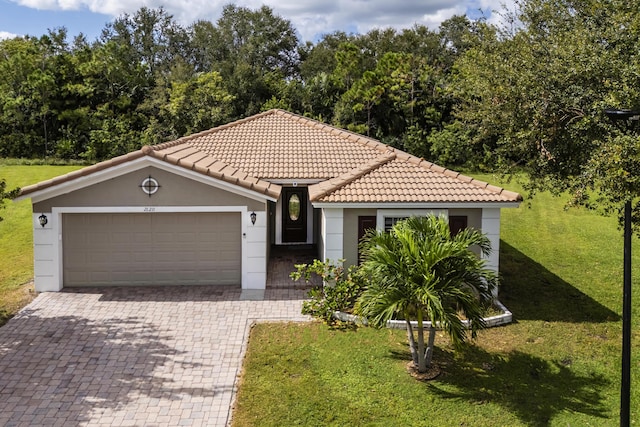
[{"x": 625, "y": 390}]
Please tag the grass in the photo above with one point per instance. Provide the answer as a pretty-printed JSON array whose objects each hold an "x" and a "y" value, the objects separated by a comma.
[
  {"x": 557, "y": 365},
  {"x": 16, "y": 237}
]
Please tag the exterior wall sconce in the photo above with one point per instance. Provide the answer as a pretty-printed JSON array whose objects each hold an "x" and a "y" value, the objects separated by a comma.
[
  {"x": 253, "y": 218},
  {"x": 43, "y": 220}
]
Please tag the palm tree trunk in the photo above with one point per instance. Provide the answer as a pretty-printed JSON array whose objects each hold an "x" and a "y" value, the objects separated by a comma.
[
  {"x": 429, "y": 352},
  {"x": 422, "y": 365},
  {"x": 412, "y": 342}
]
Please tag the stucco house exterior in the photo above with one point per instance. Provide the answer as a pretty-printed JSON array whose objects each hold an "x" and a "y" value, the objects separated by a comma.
[{"x": 208, "y": 208}]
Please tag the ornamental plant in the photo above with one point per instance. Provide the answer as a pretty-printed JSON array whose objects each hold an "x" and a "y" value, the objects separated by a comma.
[{"x": 335, "y": 289}]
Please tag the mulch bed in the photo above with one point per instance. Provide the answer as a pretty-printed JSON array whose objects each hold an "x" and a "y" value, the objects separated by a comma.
[{"x": 432, "y": 372}]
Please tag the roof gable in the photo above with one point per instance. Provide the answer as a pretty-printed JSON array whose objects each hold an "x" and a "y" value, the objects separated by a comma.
[{"x": 231, "y": 179}]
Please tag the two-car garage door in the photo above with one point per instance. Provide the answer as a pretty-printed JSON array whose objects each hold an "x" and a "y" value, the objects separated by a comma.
[{"x": 151, "y": 248}]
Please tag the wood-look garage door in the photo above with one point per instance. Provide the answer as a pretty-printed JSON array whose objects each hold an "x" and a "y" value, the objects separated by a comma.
[{"x": 151, "y": 248}]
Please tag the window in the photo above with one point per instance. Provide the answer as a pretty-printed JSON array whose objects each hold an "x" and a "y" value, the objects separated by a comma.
[
  {"x": 457, "y": 224},
  {"x": 390, "y": 221},
  {"x": 386, "y": 218},
  {"x": 294, "y": 207}
]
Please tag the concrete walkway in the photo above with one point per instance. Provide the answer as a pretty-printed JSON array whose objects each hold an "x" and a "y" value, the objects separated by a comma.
[{"x": 144, "y": 356}]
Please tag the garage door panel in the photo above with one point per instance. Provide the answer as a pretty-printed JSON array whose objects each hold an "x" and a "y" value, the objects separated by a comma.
[
  {"x": 122, "y": 278},
  {"x": 184, "y": 238},
  {"x": 116, "y": 238},
  {"x": 227, "y": 276},
  {"x": 122, "y": 257},
  {"x": 225, "y": 259},
  {"x": 227, "y": 236},
  {"x": 75, "y": 277},
  {"x": 141, "y": 238},
  {"x": 158, "y": 248},
  {"x": 168, "y": 257},
  {"x": 167, "y": 277},
  {"x": 165, "y": 237},
  {"x": 99, "y": 276}
]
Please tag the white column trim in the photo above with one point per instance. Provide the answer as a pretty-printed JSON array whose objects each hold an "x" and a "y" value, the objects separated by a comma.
[
  {"x": 333, "y": 234},
  {"x": 491, "y": 228}
]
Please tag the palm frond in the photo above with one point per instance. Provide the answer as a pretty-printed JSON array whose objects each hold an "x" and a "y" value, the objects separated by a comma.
[{"x": 420, "y": 268}]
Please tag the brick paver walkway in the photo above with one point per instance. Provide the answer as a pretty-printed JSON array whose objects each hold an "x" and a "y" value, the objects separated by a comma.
[
  {"x": 283, "y": 261},
  {"x": 144, "y": 356}
]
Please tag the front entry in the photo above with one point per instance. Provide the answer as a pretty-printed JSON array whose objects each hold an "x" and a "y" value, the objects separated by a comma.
[{"x": 294, "y": 215}]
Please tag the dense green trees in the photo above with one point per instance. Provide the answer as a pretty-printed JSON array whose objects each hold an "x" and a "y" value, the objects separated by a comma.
[
  {"x": 147, "y": 79},
  {"x": 528, "y": 96},
  {"x": 533, "y": 98}
]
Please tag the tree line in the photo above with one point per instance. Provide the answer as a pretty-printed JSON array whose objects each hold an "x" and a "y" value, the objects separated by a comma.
[
  {"x": 147, "y": 79},
  {"x": 526, "y": 95}
]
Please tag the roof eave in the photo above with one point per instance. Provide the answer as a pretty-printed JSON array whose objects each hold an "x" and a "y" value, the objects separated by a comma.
[
  {"x": 130, "y": 162},
  {"x": 33, "y": 190},
  {"x": 415, "y": 205}
]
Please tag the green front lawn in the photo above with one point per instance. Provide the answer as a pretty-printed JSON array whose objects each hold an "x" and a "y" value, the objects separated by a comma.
[
  {"x": 16, "y": 237},
  {"x": 557, "y": 365}
]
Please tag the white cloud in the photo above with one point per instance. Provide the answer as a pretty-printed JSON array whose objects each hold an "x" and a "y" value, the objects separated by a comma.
[
  {"x": 39, "y": 4},
  {"x": 434, "y": 20},
  {"x": 496, "y": 9},
  {"x": 6, "y": 35},
  {"x": 310, "y": 17}
]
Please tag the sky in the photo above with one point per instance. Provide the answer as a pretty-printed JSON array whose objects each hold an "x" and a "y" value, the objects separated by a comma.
[{"x": 311, "y": 18}]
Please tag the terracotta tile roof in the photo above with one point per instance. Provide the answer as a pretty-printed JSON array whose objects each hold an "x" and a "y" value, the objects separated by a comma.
[
  {"x": 406, "y": 179},
  {"x": 196, "y": 160},
  {"x": 280, "y": 146},
  {"x": 80, "y": 173},
  {"x": 190, "y": 159}
]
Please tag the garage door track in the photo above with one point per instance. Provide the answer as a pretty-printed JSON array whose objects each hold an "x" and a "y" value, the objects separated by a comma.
[{"x": 143, "y": 356}]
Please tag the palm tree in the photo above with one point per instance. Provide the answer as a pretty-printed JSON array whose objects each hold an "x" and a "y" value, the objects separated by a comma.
[{"x": 420, "y": 272}]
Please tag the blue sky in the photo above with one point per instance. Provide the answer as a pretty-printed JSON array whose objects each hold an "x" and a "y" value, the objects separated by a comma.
[
  {"x": 310, "y": 17},
  {"x": 22, "y": 20}
]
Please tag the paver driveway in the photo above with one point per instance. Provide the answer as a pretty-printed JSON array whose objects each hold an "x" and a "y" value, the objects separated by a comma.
[{"x": 144, "y": 356}]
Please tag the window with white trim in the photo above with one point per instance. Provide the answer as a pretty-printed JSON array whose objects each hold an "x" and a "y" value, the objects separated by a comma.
[
  {"x": 386, "y": 218},
  {"x": 390, "y": 221}
]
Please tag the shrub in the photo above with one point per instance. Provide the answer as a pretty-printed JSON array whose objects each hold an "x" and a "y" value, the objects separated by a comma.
[{"x": 338, "y": 291}]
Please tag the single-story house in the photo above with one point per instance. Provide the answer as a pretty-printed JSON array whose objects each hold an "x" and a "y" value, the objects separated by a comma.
[{"x": 207, "y": 208}]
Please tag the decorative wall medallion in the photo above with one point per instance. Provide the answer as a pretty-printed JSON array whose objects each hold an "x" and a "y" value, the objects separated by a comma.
[{"x": 150, "y": 186}]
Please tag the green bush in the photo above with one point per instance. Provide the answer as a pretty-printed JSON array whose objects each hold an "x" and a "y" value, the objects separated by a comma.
[
  {"x": 338, "y": 291},
  {"x": 49, "y": 161}
]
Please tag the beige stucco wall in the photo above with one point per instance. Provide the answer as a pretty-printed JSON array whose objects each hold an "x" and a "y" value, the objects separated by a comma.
[
  {"x": 350, "y": 248},
  {"x": 175, "y": 190}
]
